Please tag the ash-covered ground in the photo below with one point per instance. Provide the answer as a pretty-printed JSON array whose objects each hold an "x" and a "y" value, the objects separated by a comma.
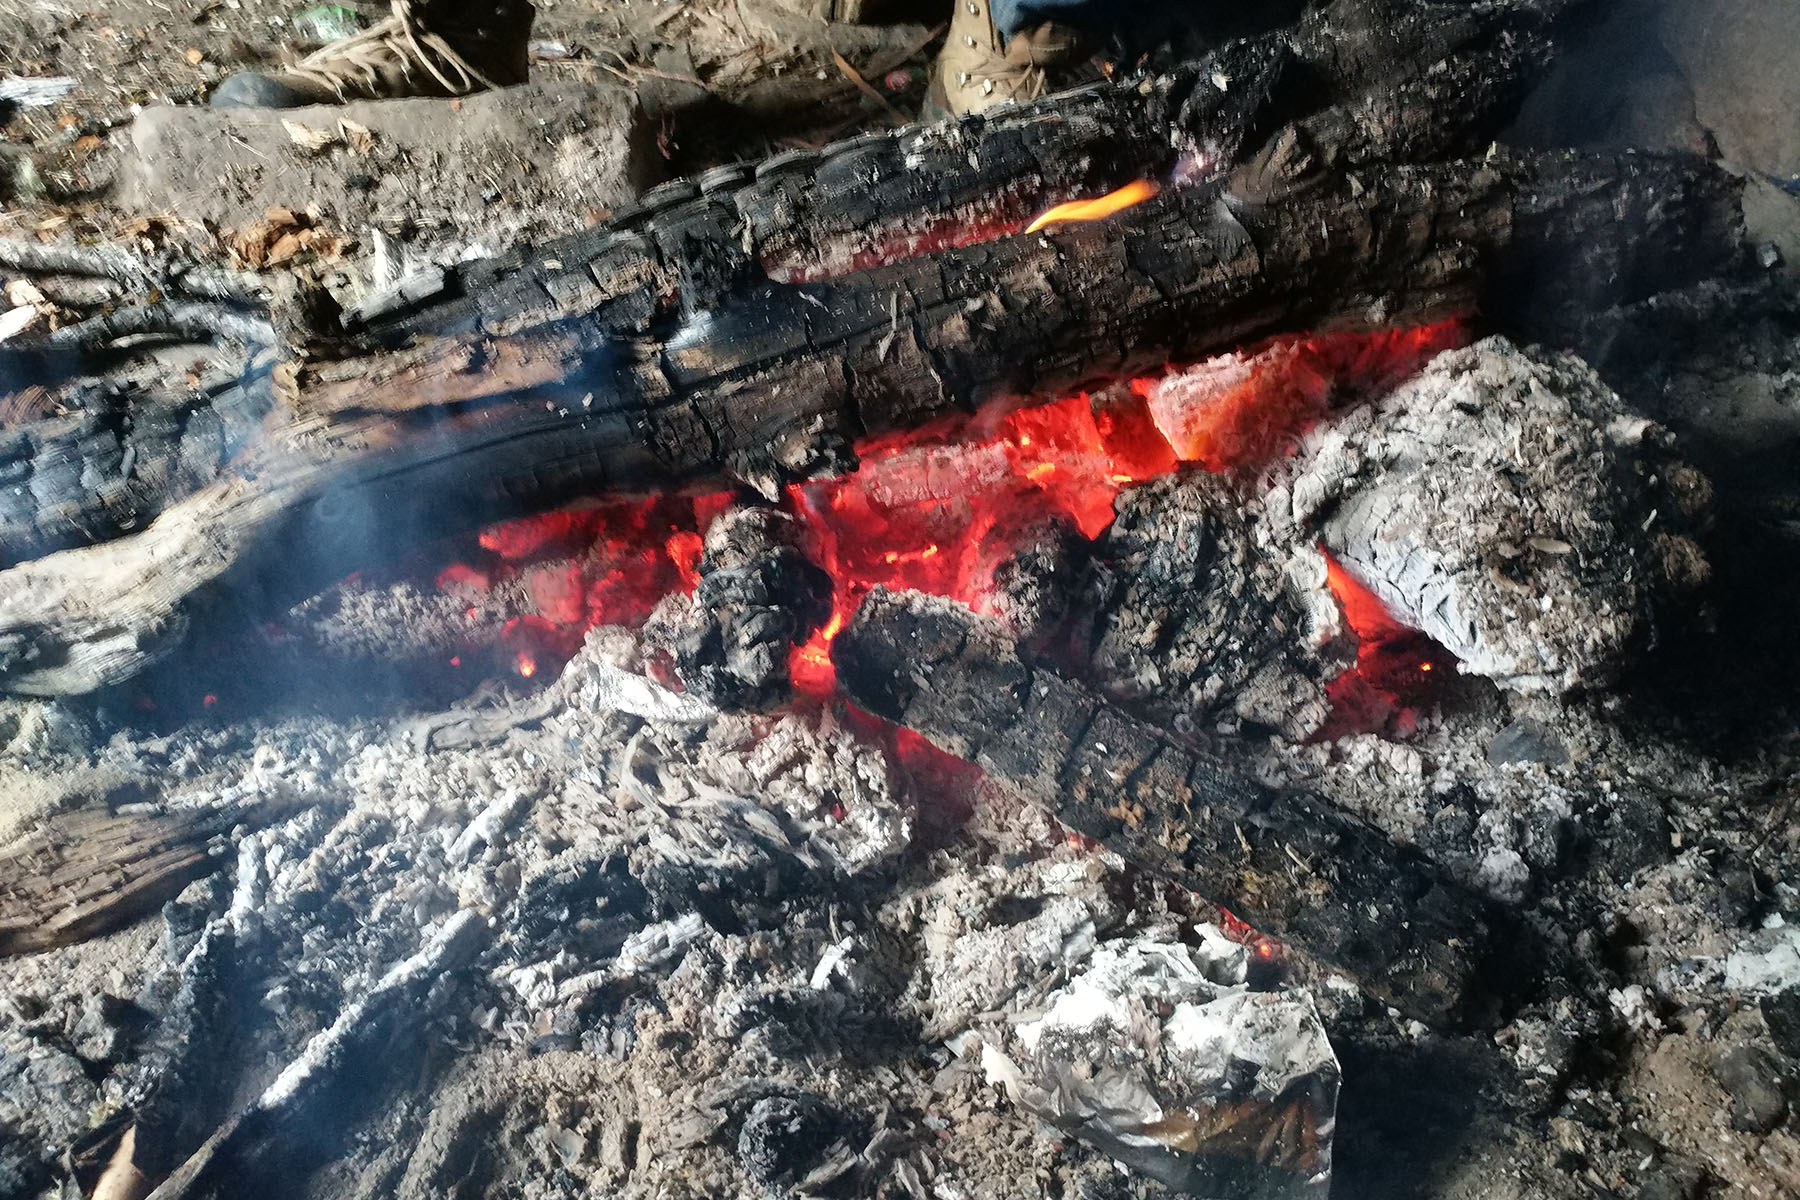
[
  {"x": 585, "y": 933},
  {"x": 591, "y": 932}
]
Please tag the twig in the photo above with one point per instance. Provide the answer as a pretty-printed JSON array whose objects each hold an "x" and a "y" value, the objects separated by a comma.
[
  {"x": 108, "y": 262},
  {"x": 637, "y": 69},
  {"x": 399, "y": 995},
  {"x": 863, "y": 86},
  {"x": 197, "y": 322},
  {"x": 905, "y": 56}
]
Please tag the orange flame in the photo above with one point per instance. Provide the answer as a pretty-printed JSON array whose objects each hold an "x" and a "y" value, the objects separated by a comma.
[
  {"x": 527, "y": 665},
  {"x": 1098, "y": 208}
]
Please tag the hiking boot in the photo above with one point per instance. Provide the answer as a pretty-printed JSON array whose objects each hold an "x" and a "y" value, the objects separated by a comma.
[
  {"x": 978, "y": 68},
  {"x": 424, "y": 48}
]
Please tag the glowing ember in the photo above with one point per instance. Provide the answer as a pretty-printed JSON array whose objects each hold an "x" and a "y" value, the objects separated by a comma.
[
  {"x": 940, "y": 510},
  {"x": 1098, "y": 208},
  {"x": 1394, "y": 664},
  {"x": 1247, "y": 408},
  {"x": 941, "y": 516},
  {"x": 605, "y": 565}
]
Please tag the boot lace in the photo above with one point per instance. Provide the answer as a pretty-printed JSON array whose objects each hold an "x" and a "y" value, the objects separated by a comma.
[
  {"x": 401, "y": 38},
  {"x": 1022, "y": 80}
]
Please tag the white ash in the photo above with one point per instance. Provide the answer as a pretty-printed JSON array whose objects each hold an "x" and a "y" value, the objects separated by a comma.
[
  {"x": 1767, "y": 962},
  {"x": 1507, "y": 504}
]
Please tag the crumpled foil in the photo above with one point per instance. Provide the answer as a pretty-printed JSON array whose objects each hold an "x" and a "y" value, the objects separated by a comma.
[{"x": 1159, "y": 1054}]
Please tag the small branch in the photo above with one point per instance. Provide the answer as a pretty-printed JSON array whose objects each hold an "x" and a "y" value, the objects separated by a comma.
[
  {"x": 177, "y": 319},
  {"x": 362, "y": 1028},
  {"x": 866, "y": 88}
]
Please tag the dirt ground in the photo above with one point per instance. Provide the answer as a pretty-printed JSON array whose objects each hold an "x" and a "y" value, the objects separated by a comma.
[{"x": 716, "y": 83}]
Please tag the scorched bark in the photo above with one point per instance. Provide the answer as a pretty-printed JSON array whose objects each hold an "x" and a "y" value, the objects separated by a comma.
[
  {"x": 1292, "y": 864},
  {"x": 744, "y": 324}
]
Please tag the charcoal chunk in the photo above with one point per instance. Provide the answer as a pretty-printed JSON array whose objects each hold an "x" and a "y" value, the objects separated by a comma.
[{"x": 784, "y": 1138}]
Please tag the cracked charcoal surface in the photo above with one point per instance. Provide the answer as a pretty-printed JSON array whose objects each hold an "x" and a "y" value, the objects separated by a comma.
[
  {"x": 758, "y": 597},
  {"x": 1290, "y": 862},
  {"x": 1197, "y": 622}
]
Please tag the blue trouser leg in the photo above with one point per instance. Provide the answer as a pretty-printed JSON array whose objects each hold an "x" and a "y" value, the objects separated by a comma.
[{"x": 1014, "y": 15}]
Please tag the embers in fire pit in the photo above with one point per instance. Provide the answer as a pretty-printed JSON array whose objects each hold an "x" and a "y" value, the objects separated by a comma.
[{"x": 997, "y": 511}]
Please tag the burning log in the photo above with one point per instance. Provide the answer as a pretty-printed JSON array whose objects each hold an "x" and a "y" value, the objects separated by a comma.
[
  {"x": 1292, "y": 864},
  {"x": 755, "y": 324}
]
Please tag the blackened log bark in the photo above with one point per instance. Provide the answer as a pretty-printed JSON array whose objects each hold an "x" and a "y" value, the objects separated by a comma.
[
  {"x": 777, "y": 381},
  {"x": 734, "y": 327},
  {"x": 1375, "y": 82},
  {"x": 1290, "y": 863}
]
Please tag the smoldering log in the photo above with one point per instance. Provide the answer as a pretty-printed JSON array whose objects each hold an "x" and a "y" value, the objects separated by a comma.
[
  {"x": 1292, "y": 864},
  {"x": 779, "y": 381},
  {"x": 733, "y": 327},
  {"x": 689, "y": 246}
]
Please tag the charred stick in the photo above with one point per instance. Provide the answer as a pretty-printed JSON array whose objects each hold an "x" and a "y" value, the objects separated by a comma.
[
  {"x": 365, "y": 1028},
  {"x": 168, "y": 319},
  {"x": 132, "y": 270},
  {"x": 1291, "y": 863}
]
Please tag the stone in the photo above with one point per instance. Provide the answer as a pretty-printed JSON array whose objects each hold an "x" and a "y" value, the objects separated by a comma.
[
  {"x": 1738, "y": 56},
  {"x": 1752, "y": 1080},
  {"x": 535, "y": 159}
]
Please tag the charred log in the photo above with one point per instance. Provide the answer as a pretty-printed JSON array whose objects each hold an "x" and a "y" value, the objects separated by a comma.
[
  {"x": 1294, "y": 865},
  {"x": 755, "y": 323},
  {"x": 1193, "y": 621},
  {"x": 89, "y": 872}
]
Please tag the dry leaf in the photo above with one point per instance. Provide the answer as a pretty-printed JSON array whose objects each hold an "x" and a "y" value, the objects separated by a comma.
[
  {"x": 196, "y": 57},
  {"x": 308, "y": 139},
  {"x": 359, "y": 137},
  {"x": 285, "y": 247}
]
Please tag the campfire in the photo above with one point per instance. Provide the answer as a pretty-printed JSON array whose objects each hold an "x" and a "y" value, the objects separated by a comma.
[{"x": 1143, "y": 643}]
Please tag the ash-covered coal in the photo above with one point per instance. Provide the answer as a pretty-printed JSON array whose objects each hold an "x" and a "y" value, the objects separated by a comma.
[
  {"x": 758, "y": 597},
  {"x": 1508, "y": 504}
]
